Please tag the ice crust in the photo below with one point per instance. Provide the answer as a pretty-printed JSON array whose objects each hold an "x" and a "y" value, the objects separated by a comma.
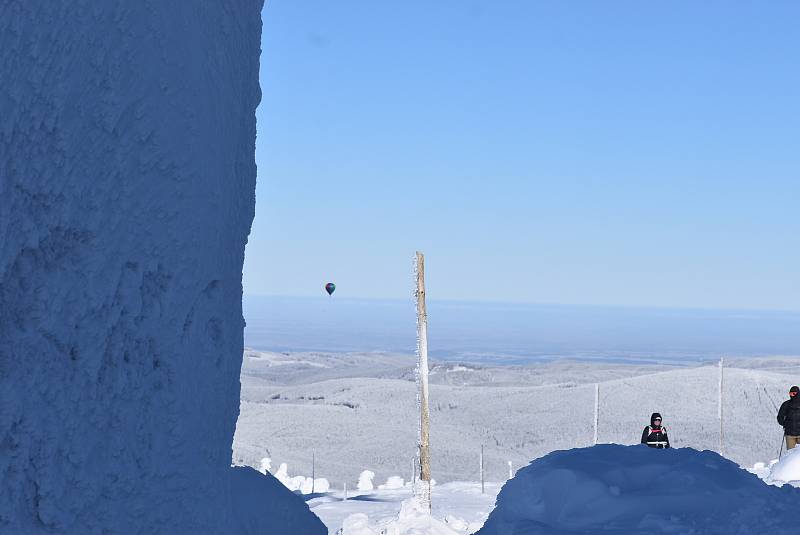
[
  {"x": 127, "y": 191},
  {"x": 634, "y": 489}
]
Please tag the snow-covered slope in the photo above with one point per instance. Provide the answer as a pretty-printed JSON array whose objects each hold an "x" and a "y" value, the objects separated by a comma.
[
  {"x": 621, "y": 490},
  {"x": 127, "y": 179},
  {"x": 357, "y": 422}
]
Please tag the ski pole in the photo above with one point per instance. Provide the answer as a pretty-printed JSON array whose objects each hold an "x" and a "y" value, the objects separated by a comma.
[{"x": 780, "y": 452}]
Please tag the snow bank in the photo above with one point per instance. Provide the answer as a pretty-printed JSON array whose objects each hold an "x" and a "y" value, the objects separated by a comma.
[
  {"x": 783, "y": 471},
  {"x": 635, "y": 489},
  {"x": 413, "y": 519},
  {"x": 787, "y": 469},
  {"x": 302, "y": 484},
  {"x": 261, "y": 504},
  {"x": 127, "y": 178}
]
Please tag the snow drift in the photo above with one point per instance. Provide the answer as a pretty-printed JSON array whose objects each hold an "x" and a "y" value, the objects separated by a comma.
[
  {"x": 127, "y": 177},
  {"x": 634, "y": 489},
  {"x": 787, "y": 469},
  {"x": 783, "y": 471}
]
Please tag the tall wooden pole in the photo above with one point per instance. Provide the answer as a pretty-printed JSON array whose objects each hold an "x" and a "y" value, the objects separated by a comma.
[{"x": 422, "y": 379}]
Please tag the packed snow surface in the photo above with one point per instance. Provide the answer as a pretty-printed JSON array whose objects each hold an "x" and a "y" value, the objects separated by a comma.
[
  {"x": 614, "y": 489},
  {"x": 459, "y": 508},
  {"x": 127, "y": 178},
  {"x": 696, "y": 485}
]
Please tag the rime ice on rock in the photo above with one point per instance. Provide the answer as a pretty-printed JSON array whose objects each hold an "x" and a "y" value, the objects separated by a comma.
[{"x": 127, "y": 179}]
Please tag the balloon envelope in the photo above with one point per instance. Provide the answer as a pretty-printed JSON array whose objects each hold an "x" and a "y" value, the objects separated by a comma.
[{"x": 330, "y": 287}]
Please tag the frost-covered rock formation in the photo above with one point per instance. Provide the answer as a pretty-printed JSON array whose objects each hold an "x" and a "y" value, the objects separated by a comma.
[{"x": 127, "y": 179}]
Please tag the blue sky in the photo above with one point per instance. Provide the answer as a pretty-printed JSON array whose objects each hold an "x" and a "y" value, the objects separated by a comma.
[{"x": 551, "y": 152}]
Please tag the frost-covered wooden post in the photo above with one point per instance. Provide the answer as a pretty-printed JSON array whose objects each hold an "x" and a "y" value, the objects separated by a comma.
[
  {"x": 414, "y": 474},
  {"x": 481, "y": 468},
  {"x": 424, "y": 494},
  {"x": 721, "y": 432},
  {"x": 596, "y": 410},
  {"x": 510, "y": 471},
  {"x": 313, "y": 469}
]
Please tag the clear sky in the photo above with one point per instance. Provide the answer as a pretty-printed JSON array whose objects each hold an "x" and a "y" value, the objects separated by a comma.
[{"x": 621, "y": 153}]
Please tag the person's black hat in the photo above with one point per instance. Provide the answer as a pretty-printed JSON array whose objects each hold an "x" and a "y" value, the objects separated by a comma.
[
  {"x": 653, "y": 418},
  {"x": 794, "y": 390}
]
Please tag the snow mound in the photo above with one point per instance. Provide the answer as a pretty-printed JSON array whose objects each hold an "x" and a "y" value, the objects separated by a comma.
[
  {"x": 264, "y": 505},
  {"x": 783, "y": 471},
  {"x": 365, "y": 480},
  {"x": 634, "y": 489},
  {"x": 392, "y": 483},
  {"x": 413, "y": 519},
  {"x": 301, "y": 484}
]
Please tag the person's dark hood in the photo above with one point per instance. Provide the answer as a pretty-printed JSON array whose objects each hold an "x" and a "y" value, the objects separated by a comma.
[{"x": 653, "y": 418}]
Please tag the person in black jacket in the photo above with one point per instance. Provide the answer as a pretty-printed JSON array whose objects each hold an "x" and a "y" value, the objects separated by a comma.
[
  {"x": 789, "y": 418},
  {"x": 655, "y": 434}
]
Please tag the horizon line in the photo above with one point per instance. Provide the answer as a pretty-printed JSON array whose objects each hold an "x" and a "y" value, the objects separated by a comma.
[{"x": 534, "y": 303}]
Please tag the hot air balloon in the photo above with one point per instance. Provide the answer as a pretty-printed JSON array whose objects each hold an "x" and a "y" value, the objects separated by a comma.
[{"x": 330, "y": 287}]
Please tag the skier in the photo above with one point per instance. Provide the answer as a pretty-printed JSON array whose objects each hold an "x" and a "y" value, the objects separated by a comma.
[
  {"x": 789, "y": 418},
  {"x": 655, "y": 435}
]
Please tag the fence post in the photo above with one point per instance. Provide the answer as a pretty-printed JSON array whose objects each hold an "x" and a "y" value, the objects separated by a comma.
[
  {"x": 596, "y": 410},
  {"x": 721, "y": 428},
  {"x": 482, "y": 469}
]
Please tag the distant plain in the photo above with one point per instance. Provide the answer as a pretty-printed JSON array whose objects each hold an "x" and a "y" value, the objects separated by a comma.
[{"x": 510, "y": 333}]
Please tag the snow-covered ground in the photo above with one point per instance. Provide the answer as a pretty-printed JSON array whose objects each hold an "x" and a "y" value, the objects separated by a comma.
[
  {"x": 357, "y": 411},
  {"x": 622, "y": 489},
  {"x": 458, "y": 508}
]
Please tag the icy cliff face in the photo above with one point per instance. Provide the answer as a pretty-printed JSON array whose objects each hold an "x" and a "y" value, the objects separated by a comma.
[{"x": 127, "y": 183}]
